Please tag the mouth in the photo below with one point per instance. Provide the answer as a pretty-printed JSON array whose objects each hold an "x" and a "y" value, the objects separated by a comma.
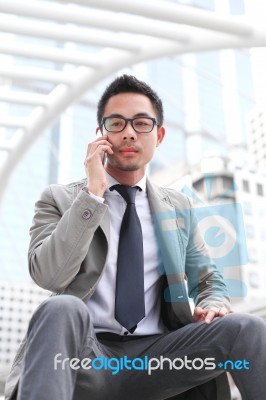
[{"x": 128, "y": 150}]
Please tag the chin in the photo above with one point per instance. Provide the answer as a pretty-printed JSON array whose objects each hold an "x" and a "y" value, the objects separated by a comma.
[
  {"x": 123, "y": 166},
  {"x": 128, "y": 167}
]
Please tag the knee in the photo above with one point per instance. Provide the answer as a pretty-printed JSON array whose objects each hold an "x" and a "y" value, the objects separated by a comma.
[
  {"x": 63, "y": 302},
  {"x": 245, "y": 320},
  {"x": 62, "y": 307},
  {"x": 241, "y": 323}
]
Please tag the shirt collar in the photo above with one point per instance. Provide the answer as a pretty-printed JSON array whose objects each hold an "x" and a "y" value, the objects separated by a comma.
[{"x": 112, "y": 181}]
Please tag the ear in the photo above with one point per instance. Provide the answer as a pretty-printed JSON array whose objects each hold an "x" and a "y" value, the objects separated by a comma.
[
  {"x": 98, "y": 132},
  {"x": 160, "y": 135}
]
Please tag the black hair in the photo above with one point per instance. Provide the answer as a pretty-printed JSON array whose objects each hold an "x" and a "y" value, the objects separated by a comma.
[{"x": 130, "y": 84}]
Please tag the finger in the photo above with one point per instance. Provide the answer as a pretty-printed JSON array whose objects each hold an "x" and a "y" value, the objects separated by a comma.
[
  {"x": 210, "y": 315},
  {"x": 105, "y": 137},
  {"x": 93, "y": 145},
  {"x": 199, "y": 311},
  {"x": 98, "y": 151},
  {"x": 198, "y": 318},
  {"x": 103, "y": 145},
  {"x": 102, "y": 139},
  {"x": 222, "y": 312},
  {"x": 199, "y": 314}
]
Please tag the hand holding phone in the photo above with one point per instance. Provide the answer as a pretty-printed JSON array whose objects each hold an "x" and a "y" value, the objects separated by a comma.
[
  {"x": 99, "y": 135},
  {"x": 94, "y": 164}
]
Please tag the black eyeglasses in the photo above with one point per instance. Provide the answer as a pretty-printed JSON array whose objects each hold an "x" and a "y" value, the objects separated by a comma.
[{"x": 139, "y": 124}]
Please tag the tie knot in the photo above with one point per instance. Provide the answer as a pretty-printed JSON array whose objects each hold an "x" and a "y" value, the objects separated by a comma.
[{"x": 127, "y": 192}]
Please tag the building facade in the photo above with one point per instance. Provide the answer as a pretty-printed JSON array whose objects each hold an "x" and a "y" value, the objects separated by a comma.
[
  {"x": 238, "y": 195},
  {"x": 257, "y": 136}
]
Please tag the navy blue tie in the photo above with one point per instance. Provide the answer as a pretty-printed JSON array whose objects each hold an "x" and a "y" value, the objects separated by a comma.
[{"x": 129, "y": 298}]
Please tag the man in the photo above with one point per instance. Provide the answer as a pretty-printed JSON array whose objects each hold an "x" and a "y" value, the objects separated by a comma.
[{"x": 119, "y": 250}]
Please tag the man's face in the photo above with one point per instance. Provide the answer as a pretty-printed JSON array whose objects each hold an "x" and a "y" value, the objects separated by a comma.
[{"x": 132, "y": 150}]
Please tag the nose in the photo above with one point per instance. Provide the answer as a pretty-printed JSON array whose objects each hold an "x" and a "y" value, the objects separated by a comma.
[{"x": 129, "y": 133}]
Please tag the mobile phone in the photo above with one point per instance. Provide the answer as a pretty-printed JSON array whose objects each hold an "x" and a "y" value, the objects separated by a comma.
[{"x": 99, "y": 134}]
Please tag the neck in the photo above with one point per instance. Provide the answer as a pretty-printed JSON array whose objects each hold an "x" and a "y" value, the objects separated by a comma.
[{"x": 129, "y": 178}]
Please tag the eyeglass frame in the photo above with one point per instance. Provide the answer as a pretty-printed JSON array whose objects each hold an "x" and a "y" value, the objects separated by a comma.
[{"x": 131, "y": 120}]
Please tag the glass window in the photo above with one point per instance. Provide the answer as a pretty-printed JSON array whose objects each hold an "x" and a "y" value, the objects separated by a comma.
[
  {"x": 259, "y": 189},
  {"x": 228, "y": 183},
  {"x": 246, "y": 186}
]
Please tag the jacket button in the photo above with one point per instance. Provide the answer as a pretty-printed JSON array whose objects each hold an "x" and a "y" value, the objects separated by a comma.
[{"x": 86, "y": 214}]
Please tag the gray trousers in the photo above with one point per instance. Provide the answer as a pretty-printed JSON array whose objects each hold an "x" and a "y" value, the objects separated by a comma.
[{"x": 60, "y": 334}]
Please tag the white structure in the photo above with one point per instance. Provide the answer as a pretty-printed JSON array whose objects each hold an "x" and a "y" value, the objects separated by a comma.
[
  {"x": 18, "y": 301},
  {"x": 252, "y": 194},
  {"x": 79, "y": 39}
]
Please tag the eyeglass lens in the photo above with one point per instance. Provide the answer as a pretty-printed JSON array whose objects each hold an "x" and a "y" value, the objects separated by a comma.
[{"x": 141, "y": 125}]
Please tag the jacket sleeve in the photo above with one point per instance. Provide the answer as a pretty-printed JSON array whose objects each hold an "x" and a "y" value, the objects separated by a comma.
[
  {"x": 61, "y": 236},
  {"x": 206, "y": 284}
]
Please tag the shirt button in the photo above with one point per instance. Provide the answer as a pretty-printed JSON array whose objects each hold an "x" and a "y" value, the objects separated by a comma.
[
  {"x": 86, "y": 214},
  {"x": 125, "y": 333}
]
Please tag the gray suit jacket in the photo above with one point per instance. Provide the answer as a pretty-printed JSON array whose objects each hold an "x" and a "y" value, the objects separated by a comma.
[{"x": 69, "y": 246}]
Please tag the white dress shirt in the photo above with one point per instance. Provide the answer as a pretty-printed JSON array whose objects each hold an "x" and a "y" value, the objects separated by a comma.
[{"x": 102, "y": 303}]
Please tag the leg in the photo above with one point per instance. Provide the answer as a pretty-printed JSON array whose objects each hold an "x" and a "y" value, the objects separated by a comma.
[
  {"x": 234, "y": 337},
  {"x": 248, "y": 343},
  {"x": 58, "y": 330}
]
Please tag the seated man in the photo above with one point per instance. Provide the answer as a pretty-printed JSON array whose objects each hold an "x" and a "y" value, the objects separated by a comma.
[{"x": 119, "y": 250}]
